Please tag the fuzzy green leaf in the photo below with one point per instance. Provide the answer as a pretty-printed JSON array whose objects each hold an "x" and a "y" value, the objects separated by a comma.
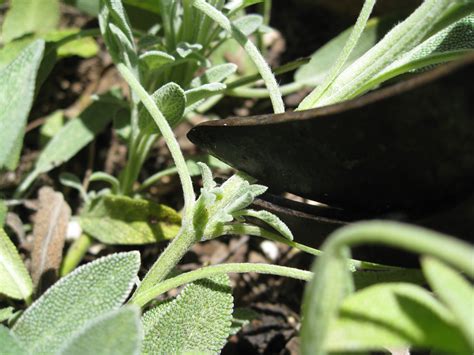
[
  {"x": 117, "y": 33},
  {"x": 215, "y": 74},
  {"x": 203, "y": 92},
  {"x": 171, "y": 101},
  {"x": 15, "y": 282},
  {"x": 16, "y": 98},
  {"x": 270, "y": 219},
  {"x": 30, "y": 16},
  {"x": 74, "y": 136},
  {"x": 122, "y": 220},
  {"x": 87, "y": 292},
  {"x": 198, "y": 320},
  {"x": 115, "y": 333},
  {"x": 453, "y": 42},
  {"x": 153, "y": 60},
  {"x": 9, "y": 345},
  {"x": 6, "y": 313},
  {"x": 454, "y": 291},
  {"x": 241, "y": 317},
  {"x": 85, "y": 47},
  {"x": 249, "y": 24},
  {"x": 394, "y": 316}
]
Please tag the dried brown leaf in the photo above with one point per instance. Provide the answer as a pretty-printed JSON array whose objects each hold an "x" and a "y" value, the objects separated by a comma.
[{"x": 49, "y": 232}]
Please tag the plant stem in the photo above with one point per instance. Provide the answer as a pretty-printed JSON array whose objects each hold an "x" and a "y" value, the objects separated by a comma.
[
  {"x": 167, "y": 260},
  {"x": 414, "y": 239},
  {"x": 168, "y": 135},
  {"x": 263, "y": 233},
  {"x": 311, "y": 100},
  {"x": 250, "y": 48},
  {"x": 263, "y": 93},
  {"x": 75, "y": 254},
  {"x": 208, "y": 271}
]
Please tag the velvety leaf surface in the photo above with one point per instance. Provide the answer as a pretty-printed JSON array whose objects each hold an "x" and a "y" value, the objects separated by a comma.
[
  {"x": 115, "y": 333},
  {"x": 454, "y": 291},
  {"x": 215, "y": 74},
  {"x": 122, "y": 220},
  {"x": 198, "y": 320},
  {"x": 16, "y": 97},
  {"x": 171, "y": 101},
  {"x": 15, "y": 282},
  {"x": 395, "y": 316},
  {"x": 84, "y": 294},
  {"x": 30, "y": 16},
  {"x": 241, "y": 317},
  {"x": 9, "y": 345}
]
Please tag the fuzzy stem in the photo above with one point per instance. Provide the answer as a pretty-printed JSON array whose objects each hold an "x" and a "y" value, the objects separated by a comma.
[
  {"x": 263, "y": 233},
  {"x": 250, "y": 48},
  {"x": 167, "y": 261},
  {"x": 208, "y": 271},
  {"x": 168, "y": 135},
  {"x": 311, "y": 100}
]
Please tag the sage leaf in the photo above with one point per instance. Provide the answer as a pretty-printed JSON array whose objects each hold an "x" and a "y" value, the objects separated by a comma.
[
  {"x": 9, "y": 344},
  {"x": 453, "y": 42},
  {"x": 30, "y": 16},
  {"x": 270, "y": 219},
  {"x": 198, "y": 320},
  {"x": 171, "y": 101},
  {"x": 85, "y": 47},
  {"x": 74, "y": 136},
  {"x": 394, "y": 315},
  {"x": 16, "y": 98},
  {"x": 203, "y": 92},
  {"x": 117, "y": 332},
  {"x": 153, "y": 60},
  {"x": 249, "y": 24},
  {"x": 122, "y": 220},
  {"x": 116, "y": 31},
  {"x": 87, "y": 292},
  {"x": 322, "y": 298},
  {"x": 456, "y": 293},
  {"x": 6, "y": 313},
  {"x": 49, "y": 233},
  {"x": 15, "y": 282},
  {"x": 215, "y": 74},
  {"x": 401, "y": 39},
  {"x": 241, "y": 317}
]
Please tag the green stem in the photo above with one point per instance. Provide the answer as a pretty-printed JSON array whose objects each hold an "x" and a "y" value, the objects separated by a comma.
[
  {"x": 280, "y": 70},
  {"x": 263, "y": 233},
  {"x": 167, "y": 261},
  {"x": 208, "y": 271},
  {"x": 414, "y": 239},
  {"x": 263, "y": 93},
  {"x": 168, "y": 135},
  {"x": 75, "y": 254},
  {"x": 250, "y": 48},
  {"x": 312, "y": 99}
]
